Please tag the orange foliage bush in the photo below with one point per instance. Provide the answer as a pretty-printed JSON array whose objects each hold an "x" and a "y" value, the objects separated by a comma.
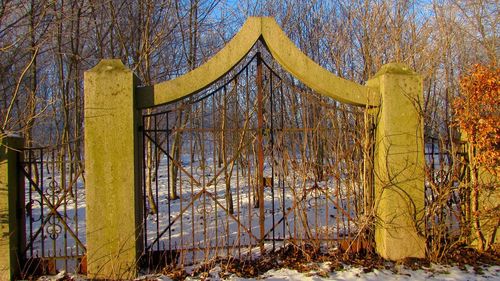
[{"x": 477, "y": 112}]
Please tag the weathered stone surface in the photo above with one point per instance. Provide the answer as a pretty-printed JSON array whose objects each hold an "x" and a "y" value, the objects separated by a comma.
[
  {"x": 112, "y": 171},
  {"x": 399, "y": 163}
]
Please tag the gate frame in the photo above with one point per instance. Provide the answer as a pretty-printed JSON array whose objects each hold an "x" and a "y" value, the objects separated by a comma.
[
  {"x": 12, "y": 214},
  {"x": 113, "y": 155}
]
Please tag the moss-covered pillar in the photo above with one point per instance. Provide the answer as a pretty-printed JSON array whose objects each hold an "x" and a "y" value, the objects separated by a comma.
[
  {"x": 399, "y": 163},
  {"x": 12, "y": 226},
  {"x": 112, "y": 158}
]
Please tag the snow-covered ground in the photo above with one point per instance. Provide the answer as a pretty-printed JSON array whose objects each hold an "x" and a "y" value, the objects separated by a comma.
[
  {"x": 434, "y": 272},
  {"x": 356, "y": 273}
]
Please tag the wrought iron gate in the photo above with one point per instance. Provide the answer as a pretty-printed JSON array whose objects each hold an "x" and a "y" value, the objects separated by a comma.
[
  {"x": 55, "y": 210},
  {"x": 253, "y": 162}
]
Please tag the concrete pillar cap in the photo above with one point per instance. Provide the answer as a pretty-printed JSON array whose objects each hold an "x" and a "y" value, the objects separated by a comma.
[{"x": 395, "y": 68}]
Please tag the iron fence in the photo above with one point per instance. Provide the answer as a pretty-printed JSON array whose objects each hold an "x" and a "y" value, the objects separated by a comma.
[{"x": 54, "y": 210}]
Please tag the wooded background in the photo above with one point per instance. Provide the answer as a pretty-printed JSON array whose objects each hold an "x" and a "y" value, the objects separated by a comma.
[{"x": 45, "y": 46}]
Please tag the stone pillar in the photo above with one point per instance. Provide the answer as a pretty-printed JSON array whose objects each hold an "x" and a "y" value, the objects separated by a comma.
[
  {"x": 12, "y": 224},
  {"x": 112, "y": 173},
  {"x": 399, "y": 163}
]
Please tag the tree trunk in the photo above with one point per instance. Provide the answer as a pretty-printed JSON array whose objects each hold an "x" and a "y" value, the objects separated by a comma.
[
  {"x": 153, "y": 208},
  {"x": 173, "y": 170},
  {"x": 223, "y": 157}
]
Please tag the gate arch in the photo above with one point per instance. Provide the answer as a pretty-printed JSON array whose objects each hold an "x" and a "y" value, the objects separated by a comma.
[
  {"x": 113, "y": 144},
  {"x": 283, "y": 51}
]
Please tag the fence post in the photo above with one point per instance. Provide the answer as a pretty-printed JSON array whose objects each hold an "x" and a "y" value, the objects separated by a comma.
[
  {"x": 12, "y": 226},
  {"x": 399, "y": 163},
  {"x": 112, "y": 173}
]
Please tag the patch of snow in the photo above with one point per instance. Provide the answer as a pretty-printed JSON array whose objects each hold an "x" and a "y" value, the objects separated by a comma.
[
  {"x": 153, "y": 277},
  {"x": 435, "y": 272}
]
